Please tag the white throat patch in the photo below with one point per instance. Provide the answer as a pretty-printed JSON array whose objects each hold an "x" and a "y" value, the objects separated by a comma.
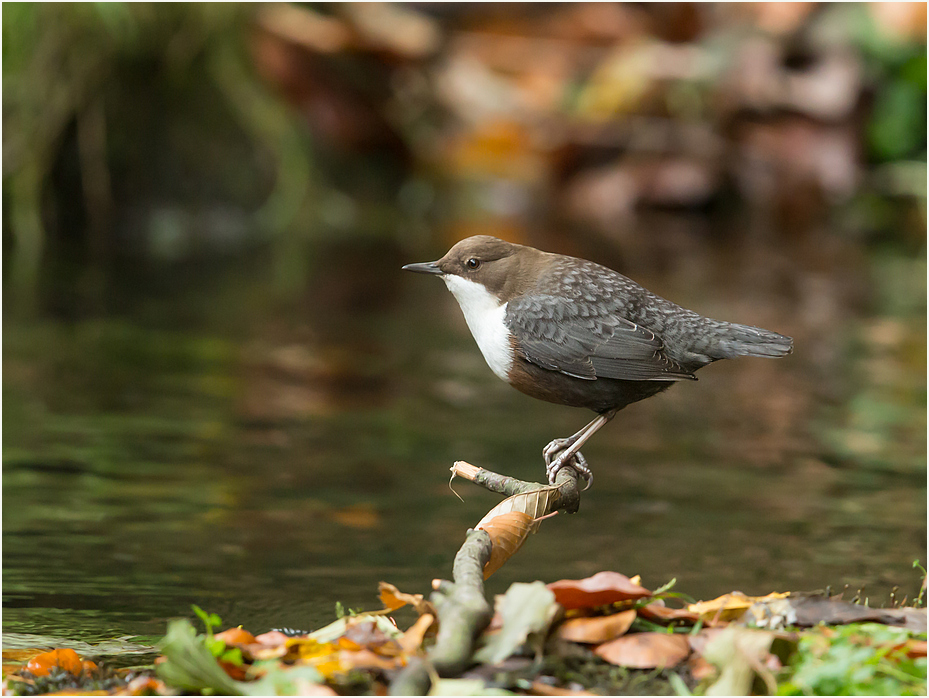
[{"x": 484, "y": 314}]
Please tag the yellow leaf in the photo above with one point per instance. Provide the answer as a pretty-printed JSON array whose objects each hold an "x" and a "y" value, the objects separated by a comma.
[{"x": 729, "y": 607}]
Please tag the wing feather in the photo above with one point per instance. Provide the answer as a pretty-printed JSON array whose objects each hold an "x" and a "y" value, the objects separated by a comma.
[{"x": 585, "y": 340}]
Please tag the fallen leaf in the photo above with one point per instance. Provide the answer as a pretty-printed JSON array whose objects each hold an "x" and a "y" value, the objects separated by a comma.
[
  {"x": 601, "y": 589},
  {"x": 811, "y": 611},
  {"x": 366, "y": 659},
  {"x": 146, "y": 686},
  {"x": 525, "y": 609},
  {"x": 740, "y": 653},
  {"x": 272, "y": 637},
  {"x": 701, "y": 669},
  {"x": 657, "y": 611},
  {"x": 42, "y": 664},
  {"x": 235, "y": 671},
  {"x": 393, "y": 598},
  {"x": 596, "y": 630},
  {"x": 236, "y": 636},
  {"x": 915, "y": 648},
  {"x": 367, "y": 634},
  {"x": 729, "y": 607},
  {"x": 412, "y": 639},
  {"x": 645, "y": 650},
  {"x": 507, "y": 533}
]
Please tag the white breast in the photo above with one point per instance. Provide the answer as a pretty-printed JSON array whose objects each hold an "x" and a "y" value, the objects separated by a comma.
[{"x": 484, "y": 314}]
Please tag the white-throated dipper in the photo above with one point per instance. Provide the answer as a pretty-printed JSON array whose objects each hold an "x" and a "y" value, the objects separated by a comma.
[{"x": 572, "y": 332}]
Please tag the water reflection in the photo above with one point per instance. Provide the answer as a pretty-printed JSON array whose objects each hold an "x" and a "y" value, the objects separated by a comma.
[{"x": 213, "y": 444}]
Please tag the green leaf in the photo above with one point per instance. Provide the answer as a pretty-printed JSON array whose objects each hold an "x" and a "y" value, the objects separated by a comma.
[
  {"x": 526, "y": 609},
  {"x": 190, "y": 666},
  {"x": 234, "y": 656},
  {"x": 209, "y": 620}
]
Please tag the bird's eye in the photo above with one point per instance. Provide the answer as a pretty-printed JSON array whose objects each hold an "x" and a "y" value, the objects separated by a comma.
[{"x": 473, "y": 264}]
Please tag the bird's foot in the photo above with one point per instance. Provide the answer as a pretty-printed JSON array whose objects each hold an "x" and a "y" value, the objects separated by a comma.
[{"x": 558, "y": 454}]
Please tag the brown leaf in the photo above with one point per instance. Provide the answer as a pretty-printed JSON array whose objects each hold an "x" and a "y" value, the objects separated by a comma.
[
  {"x": 645, "y": 650},
  {"x": 412, "y": 639},
  {"x": 365, "y": 659},
  {"x": 236, "y": 636},
  {"x": 701, "y": 669},
  {"x": 507, "y": 532},
  {"x": 603, "y": 588},
  {"x": 657, "y": 611},
  {"x": 534, "y": 504},
  {"x": 596, "y": 630},
  {"x": 813, "y": 610},
  {"x": 393, "y": 598}
]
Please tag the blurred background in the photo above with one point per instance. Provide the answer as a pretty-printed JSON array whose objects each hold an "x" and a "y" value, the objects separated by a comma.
[{"x": 219, "y": 388}]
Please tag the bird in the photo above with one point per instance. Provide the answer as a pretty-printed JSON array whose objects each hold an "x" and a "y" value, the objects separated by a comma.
[{"x": 573, "y": 332}]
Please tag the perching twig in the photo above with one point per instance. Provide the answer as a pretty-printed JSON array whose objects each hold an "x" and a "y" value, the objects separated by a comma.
[
  {"x": 463, "y": 610},
  {"x": 566, "y": 482}
]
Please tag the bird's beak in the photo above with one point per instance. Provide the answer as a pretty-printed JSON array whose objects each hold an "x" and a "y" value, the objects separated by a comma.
[{"x": 423, "y": 268}]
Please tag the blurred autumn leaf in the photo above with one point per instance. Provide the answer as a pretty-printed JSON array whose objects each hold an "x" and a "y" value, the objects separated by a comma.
[{"x": 601, "y": 589}]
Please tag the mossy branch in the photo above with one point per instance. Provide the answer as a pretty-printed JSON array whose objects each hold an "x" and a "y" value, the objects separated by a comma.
[{"x": 463, "y": 610}]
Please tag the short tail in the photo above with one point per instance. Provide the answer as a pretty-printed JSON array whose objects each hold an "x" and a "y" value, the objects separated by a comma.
[{"x": 743, "y": 340}]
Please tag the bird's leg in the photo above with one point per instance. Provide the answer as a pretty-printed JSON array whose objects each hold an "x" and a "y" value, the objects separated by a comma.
[{"x": 566, "y": 452}]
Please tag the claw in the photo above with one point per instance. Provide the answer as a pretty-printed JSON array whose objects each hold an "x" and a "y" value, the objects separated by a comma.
[
  {"x": 575, "y": 461},
  {"x": 554, "y": 448}
]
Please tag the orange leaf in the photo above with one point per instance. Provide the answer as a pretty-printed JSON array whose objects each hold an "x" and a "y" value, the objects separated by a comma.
[
  {"x": 596, "y": 630},
  {"x": 393, "y": 598},
  {"x": 412, "y": 639},
  {"x": 915, "y": 648},
  {"x": 236, "y": 636},
  {"x": 42, "y": 664},
  {"x": 603, "y": 588},
  {"x": 658, "y": 611},
  {"x": 507, "y": 532},
  {"x": 645, "y": 650}
]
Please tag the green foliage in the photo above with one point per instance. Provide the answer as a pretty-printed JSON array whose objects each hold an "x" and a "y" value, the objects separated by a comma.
[
  {"x": 856, "y": 659},
  {"x": 210, "y": 620},
  {"x": 920, "y": 600},
  {"x": 190, "y": 665},
  {"x": 341, "y": 611}
]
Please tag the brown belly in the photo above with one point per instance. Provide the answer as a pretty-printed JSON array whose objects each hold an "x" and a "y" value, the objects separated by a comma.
[{"x": 601, "y": 395}]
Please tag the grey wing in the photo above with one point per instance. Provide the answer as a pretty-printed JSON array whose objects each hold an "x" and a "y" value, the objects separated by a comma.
[{"x": 580, "y": 340}]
